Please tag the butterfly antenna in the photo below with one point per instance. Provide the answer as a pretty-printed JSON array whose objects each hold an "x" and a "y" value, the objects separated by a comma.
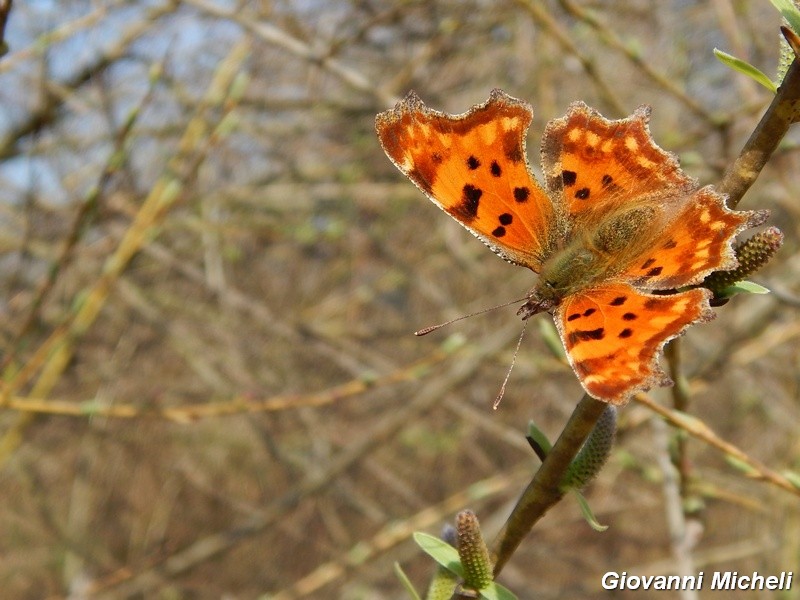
[
  {"x": 427, "y": 330},
  {"x": 510, "y": 368}
]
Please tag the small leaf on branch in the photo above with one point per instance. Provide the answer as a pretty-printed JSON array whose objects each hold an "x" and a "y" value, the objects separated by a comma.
[
  {"x": 587, "y": 513},
  {"x": 746, "y": 68},
  {"x": 442, "y": 552},
  {"x": 401, "y": 575},
  {"x": 538, "y": 441}
]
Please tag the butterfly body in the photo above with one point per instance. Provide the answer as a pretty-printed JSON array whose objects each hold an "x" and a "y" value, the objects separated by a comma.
[
  {"x": 593, "y": 255},
  {"x": 616, "y": 228}
]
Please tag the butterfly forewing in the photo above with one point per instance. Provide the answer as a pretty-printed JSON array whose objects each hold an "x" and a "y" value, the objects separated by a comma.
[
  {"x": 475, "y": 168},
  {"x": 594, "y": 165}
]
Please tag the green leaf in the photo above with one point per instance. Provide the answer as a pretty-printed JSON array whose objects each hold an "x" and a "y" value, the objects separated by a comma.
[
  {"x": 587, "y": 513},
  {"x": 790, "y": 12},
  {"x": 495, "y": 591},
  {"x": 398, "y": 570},
  {"x": 538, "y": 440},
  {"x": 442, "y": 552},
  {"x": 742, "y": 287},
  {"x": 744, "y": 67},
  {"x": 748, "y": 287}
]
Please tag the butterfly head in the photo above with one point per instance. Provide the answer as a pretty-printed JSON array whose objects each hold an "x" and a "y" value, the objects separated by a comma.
[{"x": 542, "y": 298}]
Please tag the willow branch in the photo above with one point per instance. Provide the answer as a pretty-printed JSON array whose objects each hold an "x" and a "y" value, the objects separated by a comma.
[
  {"x": 781, "y": 114},
  {"x": 545, "y": 489}
]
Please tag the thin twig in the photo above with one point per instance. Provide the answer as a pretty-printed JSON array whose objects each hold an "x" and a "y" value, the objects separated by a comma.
[
  {"x": 609, "y": 37},
  {"x": 243, "y": 404},
  {"x": 680, "y": 401},
  {"x": 539, "y": 13},
  {"x": 697, "y": 428},
  {"x": 126, "y": 584}
]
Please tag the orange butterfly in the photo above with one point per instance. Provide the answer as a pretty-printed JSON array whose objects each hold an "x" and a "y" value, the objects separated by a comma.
[{"x": 617, "y": 228}]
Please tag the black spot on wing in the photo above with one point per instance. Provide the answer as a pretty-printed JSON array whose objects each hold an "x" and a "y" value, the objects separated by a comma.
[
  {"x": 473, "y": 163},
  {"x": 626, "y": 333},
  {"x": 569, "y": 177},
  {"x": 499, "y": 231},
  {"x": 583, "y": 193},
  {"x": 467, "y": 209},
  {"x": 495, "y": 169},
  {"x": 505, "y": 219},
  {"x": 521, "y": 194},
  {"x": 606, "y": 181},
  {"x": 583, "y": 335},
  {"x": 618, "y": 301}
]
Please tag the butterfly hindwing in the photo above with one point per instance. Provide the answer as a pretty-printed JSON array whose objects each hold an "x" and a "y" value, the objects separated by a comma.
[
  {"x": 697, "y": 241},
  {"x": 613, "y": 335}
]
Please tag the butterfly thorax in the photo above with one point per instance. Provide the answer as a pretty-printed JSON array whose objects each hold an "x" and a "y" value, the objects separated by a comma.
[{"x": 594, "y": 255}]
